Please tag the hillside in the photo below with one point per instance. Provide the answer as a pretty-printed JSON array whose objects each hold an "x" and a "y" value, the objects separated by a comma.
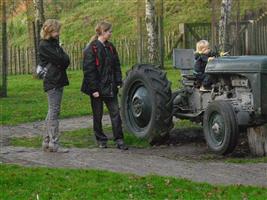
[{"x": 79, "y": 17}]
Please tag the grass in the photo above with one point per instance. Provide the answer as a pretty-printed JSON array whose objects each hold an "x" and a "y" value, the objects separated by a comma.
[
  {"x": 27, "y": 183},
  {"x": 79, "y": 17},
  {"x": 83, "y": 138},
  {"x": 26, "y": 101},
  {"x": 246, "y": 160}
]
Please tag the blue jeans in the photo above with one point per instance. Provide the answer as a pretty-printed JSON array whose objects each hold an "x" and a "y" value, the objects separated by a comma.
[{"x": 114, "y": 112}]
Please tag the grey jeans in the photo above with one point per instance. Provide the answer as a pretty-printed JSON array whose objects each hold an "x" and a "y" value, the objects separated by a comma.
[{"x": 52, "y": 123}]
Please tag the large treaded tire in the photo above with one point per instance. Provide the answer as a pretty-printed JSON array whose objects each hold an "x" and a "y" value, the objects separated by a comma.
[
  {"x": 146, "y": 103},
  {"x": 221, "y": 127}
]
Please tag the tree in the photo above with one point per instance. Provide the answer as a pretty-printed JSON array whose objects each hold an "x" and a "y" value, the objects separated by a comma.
[
  {"x": 31, "y": 34},
  {"x": 4, "y": 62},
  {"x": 39, "y": 21},
  {"x": 151, "y": 27},
  {"x": 39, "y": 11},
  {"x": 223, "y": 25}
]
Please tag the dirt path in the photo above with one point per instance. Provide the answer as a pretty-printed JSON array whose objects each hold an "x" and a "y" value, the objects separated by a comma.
[{"x": 184, "y": 160}]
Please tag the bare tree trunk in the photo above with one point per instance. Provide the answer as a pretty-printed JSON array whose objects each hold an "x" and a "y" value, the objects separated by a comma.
[
  {"x": 223, "y": 26},
  {"x": 39, "y": 11},
  {"x": 140, "y": 32},
  {"x": 213, "y": 23},
  {"x": 161, "y": 33},
  {"x": 152, "y": 32},
  {"x": 39, "y": 21},
  {"x": 31, "y": 35},
  {"x": 4, "y": 60}
]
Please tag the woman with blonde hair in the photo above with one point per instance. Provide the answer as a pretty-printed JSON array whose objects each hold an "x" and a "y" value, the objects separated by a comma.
[
  {"x": 53, "y": 57},
  {"x": 102, "y": 78}
]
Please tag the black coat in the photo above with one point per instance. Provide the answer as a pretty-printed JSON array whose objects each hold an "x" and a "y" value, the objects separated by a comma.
[
  {"x": 102, "y": 69},
  {"x": 51, "y": 52},
  {"x": 201, "y": 61}
]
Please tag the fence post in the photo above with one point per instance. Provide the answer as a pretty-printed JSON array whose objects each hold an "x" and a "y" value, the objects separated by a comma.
[
  {"x": 182, "y": 30},
  {"x": 10, "y": 60}
]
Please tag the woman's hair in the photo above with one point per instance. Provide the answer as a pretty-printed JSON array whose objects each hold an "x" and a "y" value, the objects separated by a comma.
[
  {"x": 202, "y": 45},
  {"x": 100, "y": 28},
  {"x": 48, "y": 27}
]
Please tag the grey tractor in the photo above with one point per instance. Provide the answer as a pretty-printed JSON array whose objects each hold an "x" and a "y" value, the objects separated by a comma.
[{"x": 236, "y": 100}]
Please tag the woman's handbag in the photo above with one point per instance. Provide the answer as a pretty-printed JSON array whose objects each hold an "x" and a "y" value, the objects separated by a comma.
[{"x": 41, "y": 71}]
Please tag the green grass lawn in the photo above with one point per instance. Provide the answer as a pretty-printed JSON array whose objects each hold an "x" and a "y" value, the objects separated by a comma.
[
  {"x": 83, "y": 138},
  {"x": 27, "y": 102},
  {"x": 44, "y": 183}
]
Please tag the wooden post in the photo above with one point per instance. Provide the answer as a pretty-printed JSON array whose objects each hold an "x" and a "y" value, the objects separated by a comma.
[
  {"x": 257, "y": 140},
  {"x": 182, "y": 30},
  {"x": 19, "y": 61},
  {"x": 15, "y": 60},
  {"x": 10, "y": 60},
  {"x": 238, "y": 46}
]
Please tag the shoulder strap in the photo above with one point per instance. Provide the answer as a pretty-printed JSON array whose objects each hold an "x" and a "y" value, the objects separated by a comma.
[
  {"x": 111, "y": 49},
  {"x": 94, "y": 47}
]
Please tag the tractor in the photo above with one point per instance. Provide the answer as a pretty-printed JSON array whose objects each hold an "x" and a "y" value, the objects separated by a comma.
[{"x": 236, "y": 100}]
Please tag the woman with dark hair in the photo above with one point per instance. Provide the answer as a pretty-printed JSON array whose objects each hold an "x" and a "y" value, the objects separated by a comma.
[
  {"x": 102, "y": 78},
  {"x": 53, "y": 57}
]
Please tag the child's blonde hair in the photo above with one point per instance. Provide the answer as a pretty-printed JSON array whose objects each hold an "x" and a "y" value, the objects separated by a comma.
[
  {"x": 202, "y": 45},
  {"x": 48, "y": 27}
]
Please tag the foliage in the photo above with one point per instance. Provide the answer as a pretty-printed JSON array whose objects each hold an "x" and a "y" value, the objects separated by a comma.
[{"x": 45, "y": 183}]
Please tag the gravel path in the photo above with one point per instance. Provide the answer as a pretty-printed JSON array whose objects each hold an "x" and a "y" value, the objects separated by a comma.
[{"x": 184, "y": 160}]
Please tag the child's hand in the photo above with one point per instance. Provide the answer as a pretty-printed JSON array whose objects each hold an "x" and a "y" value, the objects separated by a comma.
[
  {"x": 210, "y": 58},
  {"x": 224, "y": 53}
]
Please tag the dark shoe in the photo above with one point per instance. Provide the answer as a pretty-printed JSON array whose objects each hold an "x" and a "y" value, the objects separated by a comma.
[
  {"x": 102, "y": 145},
  {"x": 122, "y": 146}
]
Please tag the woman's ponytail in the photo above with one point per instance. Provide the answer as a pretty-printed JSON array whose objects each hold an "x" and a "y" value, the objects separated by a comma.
[{"x": 93, "y": 38}]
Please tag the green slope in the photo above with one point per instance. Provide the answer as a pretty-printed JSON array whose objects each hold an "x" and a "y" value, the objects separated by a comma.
[{"x": 79, "y": 17}]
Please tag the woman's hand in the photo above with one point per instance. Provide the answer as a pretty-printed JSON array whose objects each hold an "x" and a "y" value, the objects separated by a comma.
[{"x": 96, "y": 94}]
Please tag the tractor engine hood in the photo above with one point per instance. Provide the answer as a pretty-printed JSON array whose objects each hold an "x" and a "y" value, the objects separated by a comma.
[{"x": 239, "y": 64}]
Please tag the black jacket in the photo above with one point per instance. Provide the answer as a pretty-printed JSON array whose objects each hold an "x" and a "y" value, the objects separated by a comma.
[
  {"x": 102, "y": 69},
  {"x": 201, "y": 61},
  {"x": 51, "y": 52}
]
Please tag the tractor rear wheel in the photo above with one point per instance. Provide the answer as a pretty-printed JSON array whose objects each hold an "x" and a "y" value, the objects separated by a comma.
[{"x": 147, "y": 103}]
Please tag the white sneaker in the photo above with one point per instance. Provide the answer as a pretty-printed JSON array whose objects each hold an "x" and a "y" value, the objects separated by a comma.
[
  {"x": 54, "y": 147},
  {"x": 203, "y": 89}
]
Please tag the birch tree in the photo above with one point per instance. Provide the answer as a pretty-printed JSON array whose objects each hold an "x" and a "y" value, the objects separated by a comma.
[
  {"x": 223, "y": 25},
  {"x": 152, "y": 31}
]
